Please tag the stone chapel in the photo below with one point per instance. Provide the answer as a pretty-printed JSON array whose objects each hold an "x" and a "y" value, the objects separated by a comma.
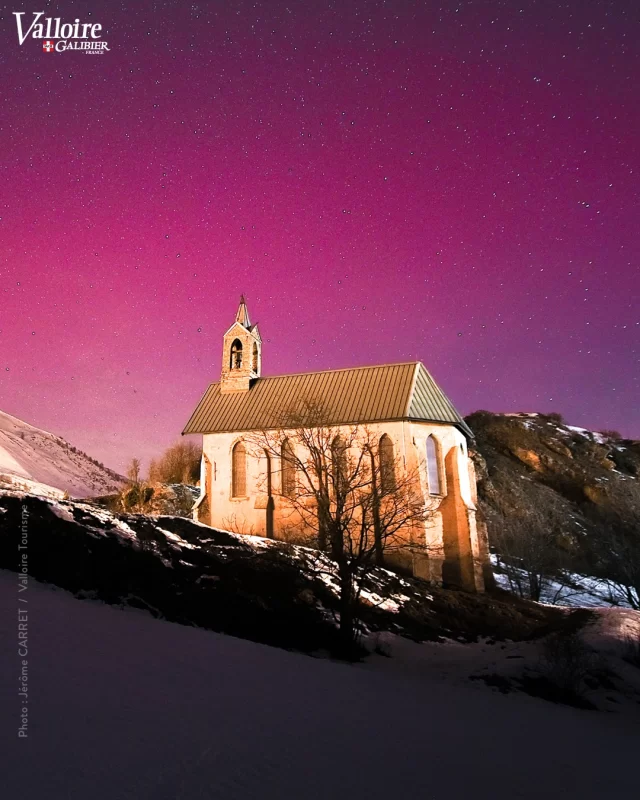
[{"x": 400, "y": 403}]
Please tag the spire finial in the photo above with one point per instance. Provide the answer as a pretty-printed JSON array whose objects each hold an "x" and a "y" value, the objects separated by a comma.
[{"x": 243, "y": 314}]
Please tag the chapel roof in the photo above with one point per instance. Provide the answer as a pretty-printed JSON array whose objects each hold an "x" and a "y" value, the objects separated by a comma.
[{"x": 357, "y": 395}]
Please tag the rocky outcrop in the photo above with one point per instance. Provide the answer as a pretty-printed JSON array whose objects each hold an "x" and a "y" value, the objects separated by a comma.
[
  {"x": 528, "y": 462},
  {"x": 528, "y": 457}
]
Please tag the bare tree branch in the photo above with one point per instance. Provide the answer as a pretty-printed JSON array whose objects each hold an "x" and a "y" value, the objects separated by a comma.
[{"x": 336, "y": 491}]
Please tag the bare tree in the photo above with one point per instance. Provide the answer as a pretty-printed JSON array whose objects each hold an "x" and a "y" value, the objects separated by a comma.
[
  {"x": 136, "y": 494},
  {"x": 357, "y": 503},
  {"x": 180, "y": 463},
  {"x": 526, "y": 541},
  {"x": 238, "y": 524},
  {"x": 134, "y": 471},
  {"x": 617, "y": 545},
  {"x": 624, "y": 585},
  {"x": 566, "y": 662}
]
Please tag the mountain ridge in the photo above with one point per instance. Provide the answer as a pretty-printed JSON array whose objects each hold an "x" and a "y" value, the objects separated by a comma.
[{"x": 43, "y": 463}]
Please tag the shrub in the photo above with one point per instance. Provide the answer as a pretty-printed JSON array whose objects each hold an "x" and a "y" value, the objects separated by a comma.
[
  {"x": 631, "y": 652},
  {"x": 611, "y": 434},
  {"x": 567, "y": 661}
]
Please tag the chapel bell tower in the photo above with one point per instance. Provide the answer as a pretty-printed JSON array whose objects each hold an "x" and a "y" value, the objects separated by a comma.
[{"x": 241, "y": 353}]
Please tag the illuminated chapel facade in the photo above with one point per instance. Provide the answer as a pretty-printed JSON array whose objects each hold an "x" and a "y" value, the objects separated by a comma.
[{"x": 417, "y": 428}]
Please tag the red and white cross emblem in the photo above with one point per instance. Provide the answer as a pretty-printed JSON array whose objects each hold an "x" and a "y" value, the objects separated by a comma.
[{"x": 48, "y": 47}]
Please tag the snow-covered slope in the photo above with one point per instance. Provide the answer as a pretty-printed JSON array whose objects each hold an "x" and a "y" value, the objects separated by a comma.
[
  {"x": 246, "y": 586},
  {"x": 124, "y": 706},
  {"x": 37, "y": 461}
]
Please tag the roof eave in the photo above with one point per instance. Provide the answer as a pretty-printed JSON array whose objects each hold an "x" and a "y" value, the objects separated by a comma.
[
  {"x": 461, "y": 425},
  {"x": 186, "y": 432}
]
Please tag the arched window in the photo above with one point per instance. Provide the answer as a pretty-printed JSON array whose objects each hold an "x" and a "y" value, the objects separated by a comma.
[
  {"x": 236, "y": 354},
  {"x": 433, "y": 468},
  {"x": 239, "y": 471},
  {"x": 287, "y": 469},
  {"x": 339, "y": 463},
  {"x": 387, "y": 466},
  {"x": 254, "y": 360}
]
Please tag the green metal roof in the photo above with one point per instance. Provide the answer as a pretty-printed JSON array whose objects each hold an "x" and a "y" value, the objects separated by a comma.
[{"x": 348, "y": 396}]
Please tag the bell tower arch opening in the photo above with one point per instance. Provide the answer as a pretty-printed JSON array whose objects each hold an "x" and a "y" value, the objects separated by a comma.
[{"x": 236, "y": 355}]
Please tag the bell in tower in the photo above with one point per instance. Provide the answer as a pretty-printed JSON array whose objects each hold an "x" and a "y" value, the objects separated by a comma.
[{"x": 242, "y": 353}]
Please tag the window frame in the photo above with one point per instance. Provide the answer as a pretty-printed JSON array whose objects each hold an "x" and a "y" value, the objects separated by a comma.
[
  {"x": 388, "y": 477},
  {"x": 235, "y": 494},
  {"x": 285, "y": 490},
  {"x": 437, "y": 463}
]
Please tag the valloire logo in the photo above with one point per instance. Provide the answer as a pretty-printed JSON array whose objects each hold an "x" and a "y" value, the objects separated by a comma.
[{"x": 61, "y": 36}]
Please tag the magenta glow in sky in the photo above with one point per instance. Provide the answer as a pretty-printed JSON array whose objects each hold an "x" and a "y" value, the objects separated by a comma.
[{"x": 384, "y": 180}]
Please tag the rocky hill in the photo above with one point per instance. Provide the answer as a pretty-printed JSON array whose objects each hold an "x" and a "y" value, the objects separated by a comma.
[
  {"x": 42, "y": 463},
  {"x": 247, "y": 586},
  {"x": 572, "y": 495}
]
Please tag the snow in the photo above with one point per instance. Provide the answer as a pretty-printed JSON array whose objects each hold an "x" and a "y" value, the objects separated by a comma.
[
  {"x": 384, "y": 603},
  {"x": 123, "y": 528},
  {"x": 595, "y": 435},
  {"x": 612, "y": 629},
  {"x": 257, "y": 542},
  {"x": 575, "y": 429},
  {"x": 20, "y": 484},
  {"x": 9, "y": 463},
  {"x": 330, "y": 581},
  {"x": 62, "y": 511},
  {"x": 125, "y": 706},
  {"x": 574, "y": 590},
  {"x": 173, "y": 537},
  {"x": 30, "y": 454},
  {"x": 393, "y": 603}
]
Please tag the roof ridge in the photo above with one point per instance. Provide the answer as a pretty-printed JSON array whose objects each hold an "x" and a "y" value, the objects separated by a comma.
[
  {"x": 412, "y": 390},
  {"x": 339, "y": 369}
]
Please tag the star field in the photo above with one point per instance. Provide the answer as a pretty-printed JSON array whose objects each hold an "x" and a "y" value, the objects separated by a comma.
[{"x": 455, "y": 183}]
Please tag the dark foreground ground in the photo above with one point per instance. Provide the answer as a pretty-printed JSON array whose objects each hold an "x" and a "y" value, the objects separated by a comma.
[
  {"x": 264, "y": 591},
  {"x": 126, "y": 707}
]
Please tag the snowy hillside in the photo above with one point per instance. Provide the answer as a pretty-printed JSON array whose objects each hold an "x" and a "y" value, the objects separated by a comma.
[
  {"x": 124, "y": 706},
  {"x": 39, "y": 462},
  {"x": 246, "y": 586},
  {"x": 283, "y": 595}
]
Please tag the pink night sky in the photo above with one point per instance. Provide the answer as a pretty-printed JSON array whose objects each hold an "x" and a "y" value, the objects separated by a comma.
[{"x": 455, "y": 183}]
